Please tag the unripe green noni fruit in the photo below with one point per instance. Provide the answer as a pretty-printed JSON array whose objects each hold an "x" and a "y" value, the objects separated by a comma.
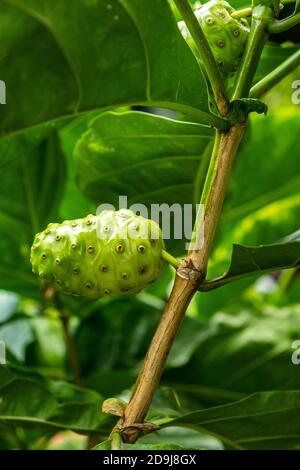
[
  {"x": 114, "y": 253},
  {"x": 226, "y": 35}
]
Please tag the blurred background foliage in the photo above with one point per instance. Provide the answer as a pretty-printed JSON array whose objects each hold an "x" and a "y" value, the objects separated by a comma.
[{"x": 234, "y": 342}]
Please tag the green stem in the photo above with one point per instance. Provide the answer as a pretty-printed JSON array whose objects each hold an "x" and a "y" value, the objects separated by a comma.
[
  {"x": 223, "y": 155},
  {"x": 211, "y": 169},
  {"x": 70, "y": 345},
  {"x": 170, "y": 259},
  {"x": 242, "y": 13},
  {"x": 116, "y": 441},
  {"x": 210, "y": 65},
  {"x": 278, "y": 74},
  {"x": 202, "y": 172},
  {"x": 257, "y": 38},
  {"x": 284, "y": 25}
]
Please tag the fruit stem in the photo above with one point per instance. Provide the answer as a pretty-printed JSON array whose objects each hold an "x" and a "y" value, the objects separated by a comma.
[
  {"x": 261, "y": 18},
  {"x": 210, "y": 65},
  {"x": 242, "y": 13},
  {"x": 278, "y": 74},
  {"x": 170, "y": 259}
]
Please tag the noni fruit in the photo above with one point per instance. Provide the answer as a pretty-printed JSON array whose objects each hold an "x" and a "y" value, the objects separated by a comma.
[
  {"x": 226, "y": 35},
  {"x": 114, "y": 253}
]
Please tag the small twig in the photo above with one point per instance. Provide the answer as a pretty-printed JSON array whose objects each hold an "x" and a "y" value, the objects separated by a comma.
[
  {"x": 116, "y": 441},
  {"x": 72, "y": 353},
  {"x": 70, "y": 345},
  {"x": 280, "y": 26},
  {"x": 207, "y": 57},
  {"x": 275, "y": 77}
]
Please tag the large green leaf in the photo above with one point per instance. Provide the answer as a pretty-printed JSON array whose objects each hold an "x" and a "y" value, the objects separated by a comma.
[
  {"x": 262, "y": 205},
  {"x": 132, "y": 53},
  {"x": 244, "y": 352},
  {"x": 9, "y": 305},
  {"x": 29, "y": 400},
  {"x": 17, "y": 335},
  {"x": 265, "y": 169},
  {"x": 115, "y": 336},
  {"x": 149, "y": 159},
  {"x": 74, "y": 204},
  {"x": 186, "y": 438},
  {"x": 105, "y": 445},
  {"x": 268, "y": 420},
  {"x": 33, "y": 175},
  {"x": 247, "y": 260},
  {"x": 264, "y": 226}
]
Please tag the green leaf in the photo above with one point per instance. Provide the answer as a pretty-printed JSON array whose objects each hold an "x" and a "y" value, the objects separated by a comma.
[
  {"x": 139, "y": 446},
  {"x": 266, "y": 149},
  {"x": 112, "y": 381},
  {"x": 49, "y": 349},
  {"x": 9, "y": 305},
  {"x": 140, "y": 155},
  {"x": 115, "y": 336},
  {"x": 29, "y": 400},
  {"x": 243, "y": 352},
  {"x": 262, "y": 206},
  {"x": 33, "y": 171},
  {"x": 17, "y": 335},
  {"x": 131, "y": 54},
  {"x": 248, "y": 261},
  {"x": 73, "y": 205},
  {"x": 268, "y": 421},
  {"x": 265, "y": 225},
  {"x": 186, "y": 438},
  {"x": 105, "y": 445},
  {"x": 149, "y": 159}
]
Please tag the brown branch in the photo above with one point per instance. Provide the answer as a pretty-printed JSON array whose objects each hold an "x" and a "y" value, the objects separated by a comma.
[
  {"x": 189, "y": 275},
  {"x": 222, "y": 164}
]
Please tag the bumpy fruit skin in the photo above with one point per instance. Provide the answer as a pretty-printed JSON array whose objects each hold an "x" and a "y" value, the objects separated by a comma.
[
  {"x": 226, "y": 35},
  {"x": 111, "y": 254}
]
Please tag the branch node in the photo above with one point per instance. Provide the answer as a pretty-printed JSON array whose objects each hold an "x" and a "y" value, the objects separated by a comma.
[
  {"x": 189, "y": 272},
  {"x": 130, "y": 432}
]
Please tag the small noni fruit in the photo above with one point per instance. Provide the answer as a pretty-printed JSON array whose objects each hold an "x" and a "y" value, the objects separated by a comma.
[
  {"x": 226, "y": 35},
  {"x": 114, "y": 253}
]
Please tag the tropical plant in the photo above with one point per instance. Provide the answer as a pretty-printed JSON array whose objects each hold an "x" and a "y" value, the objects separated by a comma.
[{"x": 165, "y": 102}]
